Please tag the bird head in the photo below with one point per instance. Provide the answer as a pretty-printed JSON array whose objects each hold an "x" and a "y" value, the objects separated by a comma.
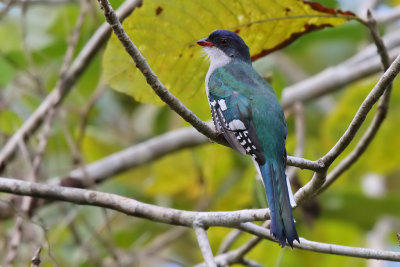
[{"x": 222, "y": 43}]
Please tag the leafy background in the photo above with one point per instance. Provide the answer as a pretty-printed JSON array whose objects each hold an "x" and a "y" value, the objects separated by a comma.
[{"x": 209, "y": 177}]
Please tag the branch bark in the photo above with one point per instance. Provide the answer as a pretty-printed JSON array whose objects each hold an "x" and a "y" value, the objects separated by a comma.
[
  {"x": 130, "y": 206},
  {"x": 204, "y": 245},
  {"x": 305, "y": 244},
  {"x": 238, "y": 219}
]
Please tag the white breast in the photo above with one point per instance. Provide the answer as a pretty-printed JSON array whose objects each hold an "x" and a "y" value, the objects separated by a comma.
[{"x": 217, "y": 59}]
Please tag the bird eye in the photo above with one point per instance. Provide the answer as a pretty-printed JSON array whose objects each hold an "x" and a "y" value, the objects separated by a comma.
[{"x": 224, "y": 42}]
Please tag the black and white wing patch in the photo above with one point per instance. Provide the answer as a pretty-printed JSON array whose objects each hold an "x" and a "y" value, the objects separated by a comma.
[{"x": 232, "y": 118}]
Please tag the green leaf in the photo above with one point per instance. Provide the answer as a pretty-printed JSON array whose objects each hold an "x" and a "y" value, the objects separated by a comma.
[
  {"x": 166, "y": 33},
  {"x": 10, "y": 36},
  {"x": 7, "y": 72},
  {"x": 9, "y": 121}
]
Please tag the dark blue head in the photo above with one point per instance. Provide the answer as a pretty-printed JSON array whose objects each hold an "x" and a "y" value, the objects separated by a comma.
[{"x": 228, "y": 42}]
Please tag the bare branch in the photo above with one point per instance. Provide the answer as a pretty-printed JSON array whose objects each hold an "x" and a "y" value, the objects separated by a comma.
[
  {"x": 43, "y": 139},
  {"x": 302, "y": 163},
  {"x": 204, "y": 245},
  {"x": 378, "y": 119},
  {"x": 305, "y": 244},
  {"x": 35, "y": 262},
  {"x": 26, "y": 205},
  {"x": 229, "y": 240},
  {"x": 62, "y": 89},
  {"x": 130, "y": 206},
  {"x": 15, "y": 240},
  {"x": 140, "y": 154},
  {"x": 150, "y": 150},
  {"x": 136, "y": 155},
  {"x": 235, "y": 256},
  {"x": 382, "y": 51},
  {"x": 163, "y": 240}
]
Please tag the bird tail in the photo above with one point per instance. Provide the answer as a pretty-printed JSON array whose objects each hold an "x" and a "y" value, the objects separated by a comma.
[{"x": 276, "y": 186}]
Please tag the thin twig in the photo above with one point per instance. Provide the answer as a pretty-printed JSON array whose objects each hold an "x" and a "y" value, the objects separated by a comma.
[
  {"x": 130, "y": 206},
  {"x": 204, "y": 245},
  {"x": 35, "y": 262},
  {"x": 305, "y": 244},
  {"x": 43, "y": 139},
  {"x": 15, "y": 240},
  {"x": 319, "y": 178},
  {"x": 161, "y": 241},
  {"x": 106, "y": 245},
  {"x": 250, "y": 263},
  {"x": 229, "y": 241},
  {"x": 237, "y": 219},
  {"x": 26, "y": 205},
  {"x": 138, "y": 155}
]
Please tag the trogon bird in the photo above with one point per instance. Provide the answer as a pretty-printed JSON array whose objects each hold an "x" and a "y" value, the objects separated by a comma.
[{"x": 246, "y": 111}]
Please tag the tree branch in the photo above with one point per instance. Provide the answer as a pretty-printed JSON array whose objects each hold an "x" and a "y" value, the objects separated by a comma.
[
  {"x": 238, "y": 219},
  {"x": 35, "y": 261},
  {"x": 130, "y": 206},
  {"x": 260, "y": 232},
  {"x": 149, "y": 151},
  {"x": 229, "y": 240},
  {"x": 305, "y": 244},
  {"x": 378, "y": 119},
  {"x": 204, "y": 245}
]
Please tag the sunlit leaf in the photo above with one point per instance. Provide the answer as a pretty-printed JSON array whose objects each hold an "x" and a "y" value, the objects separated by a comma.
[{"x": 166, "y": 33}]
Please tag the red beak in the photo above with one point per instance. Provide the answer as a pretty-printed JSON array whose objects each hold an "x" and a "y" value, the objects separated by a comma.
[{"x": 204, "y": 42}]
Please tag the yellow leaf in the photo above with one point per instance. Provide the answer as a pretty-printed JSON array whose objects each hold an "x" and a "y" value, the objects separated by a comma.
[{"x": 166, "y": 33}]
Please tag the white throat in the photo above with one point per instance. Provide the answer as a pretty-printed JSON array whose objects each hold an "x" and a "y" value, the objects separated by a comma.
[{"x": 217, "y": 59}]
